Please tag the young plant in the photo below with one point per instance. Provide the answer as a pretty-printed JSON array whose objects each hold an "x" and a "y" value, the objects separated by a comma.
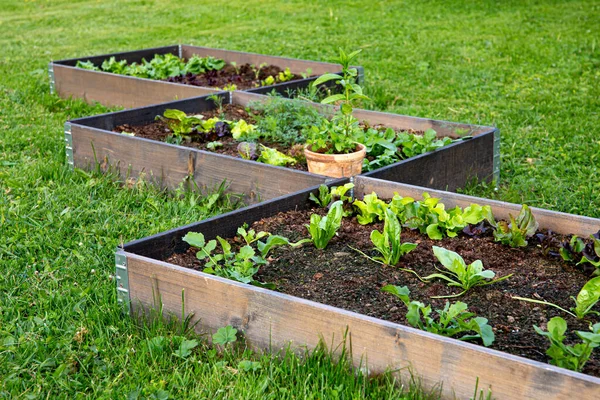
[
  {"x": 515, "y": 233},
  {"x": 591, "y": 253},
  {"x": 570, "y": 357},
  {"x": 285, "y": 76},
  {"x": 327, "y": 196},
  {"x": 322, "y": 229},
  {"x": 239, "y": 266},
  {"x": 247, "y": 150},
  {"x": 413, "y": 145},
  {"x": 324, "y": 198},
  {"x": 454, "y": 319},
  {"x": 587, "y": 298},
  {"x": 257, "y": 70},
  {"x": 388, "y": 243},
  {"x": 370, "y": 209},
  {"x": 272, "y": 156},
  {"x": 249, "y": 235},
  {"x": 460, "y": 274},
  {"x": 338, "y": 135},
  {"x": 180, "y": 124},
  {"x": 241, "y": 130}
]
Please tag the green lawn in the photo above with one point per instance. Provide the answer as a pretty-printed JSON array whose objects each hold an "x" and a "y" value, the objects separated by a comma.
[{"x": 532, "y": 68}]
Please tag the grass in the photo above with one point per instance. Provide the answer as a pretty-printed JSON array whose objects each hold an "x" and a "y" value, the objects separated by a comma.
[{"x": 532, "y": 68}]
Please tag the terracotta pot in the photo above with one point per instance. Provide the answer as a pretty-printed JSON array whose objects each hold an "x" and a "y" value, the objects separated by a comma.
[{"x": 336, "y": 165}]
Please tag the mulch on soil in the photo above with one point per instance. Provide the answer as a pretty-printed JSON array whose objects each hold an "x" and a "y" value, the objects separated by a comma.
[
  {"x": 243, "y": 78},
  {"x": 340, "y": 277}
]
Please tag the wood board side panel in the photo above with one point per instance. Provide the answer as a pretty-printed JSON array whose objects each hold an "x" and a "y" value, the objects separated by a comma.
[
  {"x": 129, "y": 56},
  {"x": 295, "y": 65},
  {"x": 114, "y": 90},
  {"x": 270, "y": 320},
  {"x": 556, "y": 221},
  {"x": 448, "y": 168}
]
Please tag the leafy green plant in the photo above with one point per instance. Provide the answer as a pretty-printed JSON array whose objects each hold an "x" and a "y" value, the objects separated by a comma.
[
  {"x": 285, "y": 75},
  {"x": 454, "y": 319},
  {"x": 324, "y": 198},
  {"x": 322, "y": 229},
  {"x": 338, "y": 134},
  {"x": 459, "y": 274},
  {"x": 257, "y": 69},
  {"x": 249, "y": 235},
  {"x": 515, "y": 233},
  {"x": 570, "y": 357},
  {"x": 327, "y": 195},
  {"x": 370, "y": 209},
  {"x": 241, "y": 130},
  {"x": 87, "y": 65},
  {"x": 413, "y": 145},
  {"x": 388, "y": 243},
  {"x": 247, "y": 150},
  {"x": 586, "y": 299},
  {"x": 198, "y": 65},
  {"x": 225, "y": 335},
  {"x": 180, "y": 124},
  {"x": 592, "y": 255},
  {"x": 239, "y": 266},
  {"x": 272, "y": 156}
]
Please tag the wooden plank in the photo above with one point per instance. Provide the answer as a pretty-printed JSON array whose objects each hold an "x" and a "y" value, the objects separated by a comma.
[
  {"x": 129, "y": 56},
  {"x": 295, "y": 65},
  {"x": 272, "y": 320},
  {"x": 556, "y": 221},
  {"x": 118, "y": 90},
  {"x": 168, "y": 165}
]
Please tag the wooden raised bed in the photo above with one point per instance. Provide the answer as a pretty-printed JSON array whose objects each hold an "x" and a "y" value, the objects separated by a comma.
[
  {"x": 129, "y": 92},
  {"x": 91, "y": 141},
  {"x": 272, "y": 320},
  {"x": 90, "y": 144}
]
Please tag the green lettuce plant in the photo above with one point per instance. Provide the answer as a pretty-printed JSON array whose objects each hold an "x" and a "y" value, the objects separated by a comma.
[
  {"x": 322, "y": 229},
  {"x": 518, "y": 230},
  {"x": 571, "y": 357},
  {"x": 454, "y": 319},
  {"x": 459, "y": 274},
  {"x": 370, "y": 209},
  {"x": 388, "y": 243}
]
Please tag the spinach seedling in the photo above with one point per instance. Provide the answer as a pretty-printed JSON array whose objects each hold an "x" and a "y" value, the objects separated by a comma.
[
  {"x": 570, "y": 357},
  {"x": 388, "y": 243},
  {"x": 454, "y": 319},
  {"x": 587, "y": 298},
  {"x": 460, "y": 274},
  {"x": 515, "y": 233},
  {"x": 322, "y": 229}
]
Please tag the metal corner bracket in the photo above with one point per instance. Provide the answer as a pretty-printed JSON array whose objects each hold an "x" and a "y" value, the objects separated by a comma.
[
  {"x": 51, "y": 76},
  {"x": 69, "y": 145},
  {"x": 122, "y": 279},
  {"x": 496, "y": 163}
]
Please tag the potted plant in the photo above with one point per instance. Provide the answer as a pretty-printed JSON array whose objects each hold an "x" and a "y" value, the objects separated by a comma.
[{"x": 331, "y": 147}]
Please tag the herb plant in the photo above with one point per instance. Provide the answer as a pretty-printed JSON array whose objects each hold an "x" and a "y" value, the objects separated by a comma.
[
  {"x": 338, "y": 134},
  {"x": 459, "y": 274},
  {"x": 388, "y": 243},
  {"x": 322, "y": 229},
  {"x": 454, "y": 319},
  {"x": 570, "y": 357}
]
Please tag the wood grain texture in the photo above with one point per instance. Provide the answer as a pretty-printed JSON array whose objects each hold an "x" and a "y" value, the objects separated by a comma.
[
  {"x": 270, "y": 320},
  {"x": 556, "y": 221},
  {"x": 118, "y": 90},
  {"x": 169, "y": 165}
]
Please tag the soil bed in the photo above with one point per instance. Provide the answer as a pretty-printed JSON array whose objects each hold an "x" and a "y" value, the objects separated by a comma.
[
  {"x": 340, "y": 277},
  {"x": 159, "y": 131},
  {"x": 243, "y": 77}
]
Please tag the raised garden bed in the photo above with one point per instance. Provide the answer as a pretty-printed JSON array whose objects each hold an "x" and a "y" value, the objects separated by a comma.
[
  {"x": 271, "y": 319},
  {"x": 112, "y": 89},
  {"x": 93, "y": 140}
]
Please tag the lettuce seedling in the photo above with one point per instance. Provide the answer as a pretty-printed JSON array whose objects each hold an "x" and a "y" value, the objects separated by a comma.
[
  {"x": 239, "y": 266},
  {"x": 241, "y": 130},
  {"x": 322, "y": 229},
  {"x": 413, "y": 145},
  {"x": 515, "y": 233},
  {"x": 388, "y": 243},
  {"x": 324, "y": 198},
  {"x": 285, "y": 76},
  {"x": 454, "y": 319},
  {"x": 591, "y": 253},
  {"x": 370, "y": 209},
  {"x": 460, "y": 274},
  {"x": 327, "y": 196},
  {"x": 87, "y": 65},
  {"x": 198, "y": 65},
  {"x": 247, "y": 150},
  {"x": 570, "y": 357},
  {"x": 249, "y": 235},
  {"x": 272, "y": 156},
  {"x": 180, "y": 124}
]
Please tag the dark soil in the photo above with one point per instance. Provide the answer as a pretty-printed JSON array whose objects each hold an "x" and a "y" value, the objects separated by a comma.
[
  {"x": 243, "y": 78},
  {"x": 340, "y": 277},
  {"x": 159, "y": 131}
]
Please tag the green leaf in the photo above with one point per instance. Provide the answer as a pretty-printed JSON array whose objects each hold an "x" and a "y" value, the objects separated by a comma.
[
  {"x": 225, "y": 335},
  {"x": 557, "y": 328},
  {"x": 333, "y": 98},
  {"x": 185, "y": 348},
  {"x": 401, "y": 292},
  {"x": 588, "y": 296},
  {"x": 433, "y": 232},
  {"x": 326, "y": 78},
  {"x": 448, "y": 258},
  {"x": 249, "y": 366},
  {"x": 194, "y": 239},
  {"x": 274, "y": 157},
  {"x": 175, "y": 114}
]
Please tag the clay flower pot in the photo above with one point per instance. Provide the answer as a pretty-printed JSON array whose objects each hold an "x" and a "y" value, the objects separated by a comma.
[{"x": 336, "y": 165}]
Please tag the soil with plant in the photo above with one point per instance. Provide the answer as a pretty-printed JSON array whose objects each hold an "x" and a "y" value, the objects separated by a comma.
[
  {"x": 340, "y": 276},
  {"x": 243, "y": 77},
  {"x": 290, "y": 145}
]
